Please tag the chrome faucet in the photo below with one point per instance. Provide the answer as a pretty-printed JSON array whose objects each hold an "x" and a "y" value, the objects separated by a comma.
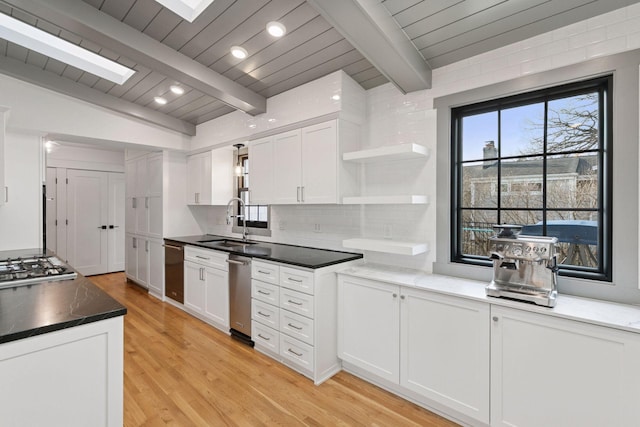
[{"x": 229, "y": 216}]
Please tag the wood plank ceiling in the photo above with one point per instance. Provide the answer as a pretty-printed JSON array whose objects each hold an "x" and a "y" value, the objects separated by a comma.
[{"x": 443, "y": 31}]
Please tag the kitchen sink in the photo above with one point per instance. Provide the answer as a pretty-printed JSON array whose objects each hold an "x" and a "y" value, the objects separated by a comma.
[{"x": 229, "y": 244}]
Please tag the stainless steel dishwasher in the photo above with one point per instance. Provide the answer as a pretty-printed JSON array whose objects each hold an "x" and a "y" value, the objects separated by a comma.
[{"x": 240, "y": 297}]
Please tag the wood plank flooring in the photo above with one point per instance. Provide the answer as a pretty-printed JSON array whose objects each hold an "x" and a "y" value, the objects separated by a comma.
[{"x": 180, "y": 371}]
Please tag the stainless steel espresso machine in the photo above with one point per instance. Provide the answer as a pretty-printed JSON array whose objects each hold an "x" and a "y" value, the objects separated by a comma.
[{"x": 524, "y": 267}]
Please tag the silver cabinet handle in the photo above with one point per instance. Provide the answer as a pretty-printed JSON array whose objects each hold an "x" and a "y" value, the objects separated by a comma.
[
  {"x": 302, "y": 194},
  {"x": 134, "y": 202},
  {"x": 294, "y": 326},
  {"x": 146, "y": 202},
  {"x": 264, "y": 272},
  {"x": 263, "y": 314},
  {"x": 202, "y": 274},
  {"x": 294, "y": 302},
  {"x": 264, "y": 338},
  {"x": 496, "y": 318},
  {"x": 294, "y": 280},
  {"x": 146, "y": 246},
  {"x": 402, "y": 296},
  {"x": 233, "y": 261},
  {"x": 202, "y": 257},
  {"x": 178, "y": 248},
  {"x": 6, "y": 194},
  {"x": 263, "y": 293},
  {"x": 395, "y": 295},
  {"x": 197, "y": 197},
  {"x": 298, "y": 194},
  {"x": 297, "y": 354},
  {"x": 135, "y": 243}
]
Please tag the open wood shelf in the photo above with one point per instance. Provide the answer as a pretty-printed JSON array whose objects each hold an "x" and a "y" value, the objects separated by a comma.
[
  {"x": 389, "y": 152},
  {"x": 387, "y": 246}
]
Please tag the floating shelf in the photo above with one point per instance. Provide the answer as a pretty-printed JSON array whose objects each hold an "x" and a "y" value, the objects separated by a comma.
[
  {"x": 409, "y": 199},
  {"x": 389, "y": 152},
  {"x": 388, "y": 246}
]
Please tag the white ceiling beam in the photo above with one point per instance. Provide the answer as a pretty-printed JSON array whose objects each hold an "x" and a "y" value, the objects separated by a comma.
[
  {"x": 369, "y": 27},
  {"x": 89, "y": 23},
  {"x": 28, "y": 73}
]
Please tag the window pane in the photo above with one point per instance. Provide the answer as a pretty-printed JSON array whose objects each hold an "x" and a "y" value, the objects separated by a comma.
[
  {"x": 522, "y": 217},
  {"x": 522, "y": 130},
  {"x": 573, "y": 123},
  {"x": 521, "y": 183},
  {"x": 478, "y": 132},
  {"x": 262, "y": 213},
  {"x": 577, "y": 234},
  {"x": 480, "y": 185},
  {"x": 253, "y": 213},
  {"x": 477, "y": 227},
  {"x": 572, "y": 181}
]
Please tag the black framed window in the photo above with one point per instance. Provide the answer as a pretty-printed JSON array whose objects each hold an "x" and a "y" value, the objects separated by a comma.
[
  {"x": 542, "y": 160},
  {"x": 257, "y": 216}
]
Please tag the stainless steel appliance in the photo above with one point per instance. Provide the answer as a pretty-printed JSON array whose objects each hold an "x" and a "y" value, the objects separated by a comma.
[
  {"x": 240, "y": 297},
  {"x": 174, "y": 271},
  {"x": 33, "y": 269},
  {"x": 524, "y": 267}
]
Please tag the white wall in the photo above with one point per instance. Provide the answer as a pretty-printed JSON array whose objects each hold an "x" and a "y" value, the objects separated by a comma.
[{"x": 20, "y": 218}]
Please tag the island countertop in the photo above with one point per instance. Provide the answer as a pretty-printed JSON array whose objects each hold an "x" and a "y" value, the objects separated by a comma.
[
  {"x": 300, "y": 256},
  {"x": 44, "y": 307}
]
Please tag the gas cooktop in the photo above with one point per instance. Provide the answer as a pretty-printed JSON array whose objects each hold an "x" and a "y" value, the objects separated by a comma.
[{"x": 33, "y": 269}]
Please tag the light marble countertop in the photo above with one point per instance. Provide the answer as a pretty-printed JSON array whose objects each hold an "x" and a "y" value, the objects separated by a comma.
[{"x": 596, "y": 312}]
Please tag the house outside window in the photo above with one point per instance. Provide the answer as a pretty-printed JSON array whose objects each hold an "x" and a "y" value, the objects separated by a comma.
[
  {"x": 540, "y": 160},
  {"x": 257, "y": 216}
]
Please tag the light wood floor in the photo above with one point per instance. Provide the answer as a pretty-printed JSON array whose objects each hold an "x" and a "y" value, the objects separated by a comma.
[{"x": 180, "y": 371}]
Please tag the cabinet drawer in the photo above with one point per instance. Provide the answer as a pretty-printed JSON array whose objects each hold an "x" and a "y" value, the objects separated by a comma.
[
  {"x": 296, "y": 326},
  {"x": 264, "y": 313},
  {"x": 297, "y": 302},
  {"x": 206, "y": 257},
  {"x": 264, "y": 271},
  {"x": 265, "y": 337},
  {"x": 295, "y": 279},
  {"x": 265, "y": 292},
  {"x": 295, "y": 351}
]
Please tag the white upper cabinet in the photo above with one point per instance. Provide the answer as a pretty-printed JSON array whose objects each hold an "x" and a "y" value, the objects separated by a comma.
[
  {"x": 261, "y": 175},
  {"x": 210, "y": 177},
  {"x": 3, "y": 189},
  {"x": 287, "y": 168},
  {"x": 305, "y": 165}
]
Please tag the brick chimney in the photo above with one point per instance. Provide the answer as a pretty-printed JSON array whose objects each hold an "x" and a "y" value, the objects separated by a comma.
[{"x": 489, "y": 151}]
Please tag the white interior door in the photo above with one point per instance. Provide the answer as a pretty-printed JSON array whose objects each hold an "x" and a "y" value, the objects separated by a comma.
[
  {"x": 51, "y": 208},
  {"x": 116, "y": 229},
  {"x": 87, "y": 212}
]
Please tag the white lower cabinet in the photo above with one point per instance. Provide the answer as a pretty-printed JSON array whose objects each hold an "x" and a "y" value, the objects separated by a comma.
[
  {"x": 432, "y": 346},
  {"x": 444, "y": 350},
  {"x": 549, "y": 371},
  {"x": 294, "y": 317},
  {"x": 206, "y": 286},
  {"x": 145, "y": 262}
]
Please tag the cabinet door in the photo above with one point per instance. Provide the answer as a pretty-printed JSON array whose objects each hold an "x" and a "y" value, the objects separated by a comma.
[
  {"x": 131, "y": 256},
  {"x": 287, "y": 168},
  {"x": 444, "y": 350},
  {"x": 154, "y": 214},
  {"x": 154, "y": 175},
  {"x": 156, "y": 267},
  {"x": 194, "y": 286},
  {"x": 320, "y": 163},
  {"x": 369, "y": 326},
  {"x": 143, "y": 262},
  {"x": 130, "y": 178},
  {"x": 205, "y": 179},
  {"x": 548, "y": 371},
  {"x": 261, "y": 171},
  {"x": 142, "y": 215},
  {"x": 130, "y": 214},
  {"x": 220, "y": 178},
  {"x": 216, "y": 305},
  {"x": 194, "y": 172}
]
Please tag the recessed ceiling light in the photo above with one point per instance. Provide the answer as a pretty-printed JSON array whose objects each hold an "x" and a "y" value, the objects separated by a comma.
[
  {"x": 239, "y": 52},
  {"x": 178, "y": 90},
  {"x": 160, "y": 100},
  {"x": 49, "y": 45},
  {"x": 276, "y": 29},
  {"x": 186, "y": 9}
]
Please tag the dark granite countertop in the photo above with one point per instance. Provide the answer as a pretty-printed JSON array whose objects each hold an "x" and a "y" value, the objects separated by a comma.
[
  {"x": 299, "y": 256},
  {"x": 44, "y": 307}
]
